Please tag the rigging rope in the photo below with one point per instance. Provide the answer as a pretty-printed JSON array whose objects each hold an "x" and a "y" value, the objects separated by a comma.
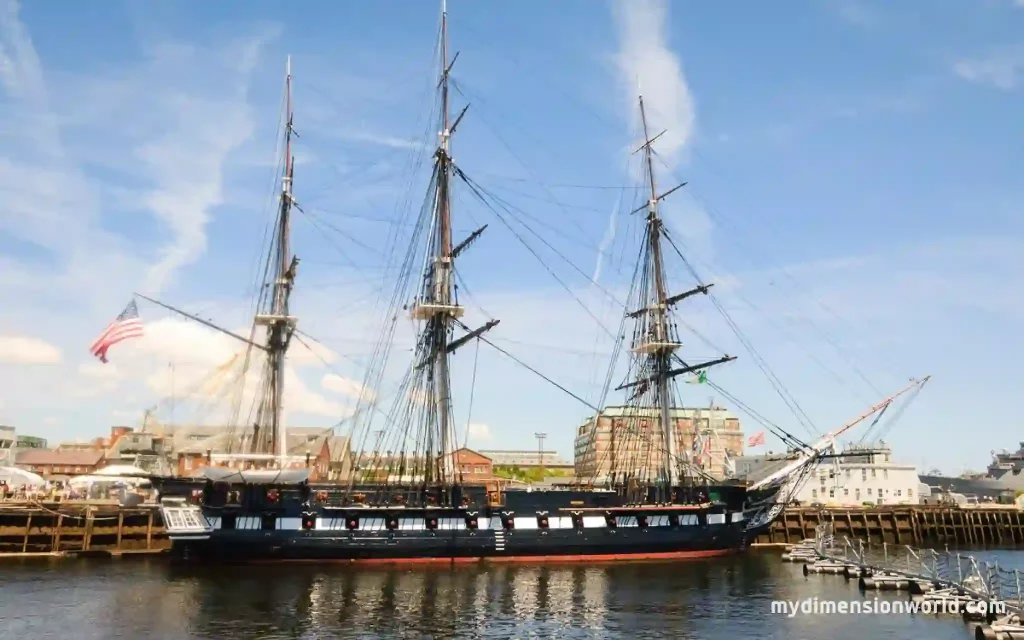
[
  {"x": 472, "y": 392},
  {"x": 780, "y": 389},
  {"x": 528, "y": 367}
]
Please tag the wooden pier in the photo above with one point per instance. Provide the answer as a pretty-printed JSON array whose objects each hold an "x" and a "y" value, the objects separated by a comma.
[
  {"x": 79, "y": 528},
  {"x": 921, "y": 525}
]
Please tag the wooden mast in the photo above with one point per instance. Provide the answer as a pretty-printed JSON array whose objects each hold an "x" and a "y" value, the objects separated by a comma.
[{"x": 280, "y": 325}]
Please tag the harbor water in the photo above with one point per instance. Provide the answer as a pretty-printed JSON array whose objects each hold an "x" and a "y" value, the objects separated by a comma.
[{"x": 723, "y": 598}]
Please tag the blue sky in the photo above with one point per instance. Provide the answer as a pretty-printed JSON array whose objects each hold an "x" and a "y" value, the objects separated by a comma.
[{"x": 854, "y": 189}]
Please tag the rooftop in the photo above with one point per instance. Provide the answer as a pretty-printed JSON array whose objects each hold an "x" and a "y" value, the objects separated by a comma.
[{"x": 69, "y": 457}]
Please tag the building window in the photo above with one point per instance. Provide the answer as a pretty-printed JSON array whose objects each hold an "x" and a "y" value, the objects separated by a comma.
[
  {"x": 910, "y": 493},
  {"x": 873, "y": 474},
  {"x": 831, "y": 493},
  {"x": 846, "y": 492},
  {"x": 869, "y": 491},
  {"x": 899, "y": 492},
  {"x": 814, "y": 493},
  {"x": 848, "y": 472},
  {"x": 885, "y": 473},
  {"x": 863, "y": 474},
  {"x": 858, "y": 494},
  {"x": 481, "y": 468}
]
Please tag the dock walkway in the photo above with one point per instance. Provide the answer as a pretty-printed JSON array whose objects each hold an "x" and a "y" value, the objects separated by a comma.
[{"x": 938, "y": 581}]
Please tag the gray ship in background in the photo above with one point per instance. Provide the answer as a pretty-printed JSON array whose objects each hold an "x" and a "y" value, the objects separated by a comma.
[
  {"x": 1006, "y": 467},
  {"x": 1003, "y": 481}
]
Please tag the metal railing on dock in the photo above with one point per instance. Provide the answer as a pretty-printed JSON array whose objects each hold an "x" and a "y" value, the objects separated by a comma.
[
  {"x": 940, "y": 581},
  {"x": 56, "y": 529}
]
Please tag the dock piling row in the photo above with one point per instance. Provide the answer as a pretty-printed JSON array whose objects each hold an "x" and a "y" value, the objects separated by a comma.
[{"x": 62, "y": 529}]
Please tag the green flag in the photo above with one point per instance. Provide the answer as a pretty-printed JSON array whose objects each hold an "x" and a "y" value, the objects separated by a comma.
[{"x": 702, "y": 378}]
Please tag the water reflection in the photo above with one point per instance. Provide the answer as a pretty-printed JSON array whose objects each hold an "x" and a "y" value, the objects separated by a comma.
[{"x": 712, "y": 599}]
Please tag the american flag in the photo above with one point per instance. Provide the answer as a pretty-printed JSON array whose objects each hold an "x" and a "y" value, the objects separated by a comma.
[
  {"x": 756, "y": 440},
  {"x": 125, "y": 326}
]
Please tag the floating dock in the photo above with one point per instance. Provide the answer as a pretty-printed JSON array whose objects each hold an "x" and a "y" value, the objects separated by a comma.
[
  {"x": 989, "y": 597},
  {"x": 55, "y": 529},
  {"x": 920, "y": 525}
]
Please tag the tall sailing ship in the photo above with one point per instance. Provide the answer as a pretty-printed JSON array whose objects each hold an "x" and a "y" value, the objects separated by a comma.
[{"x": 406, "y": 498}]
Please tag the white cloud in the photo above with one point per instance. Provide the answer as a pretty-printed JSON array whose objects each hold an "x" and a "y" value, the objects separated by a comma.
[
  {"x": 346, "y": 386},
  {"x": 185, "y": 164},
  {"x": 99, "y": 370},
  {"x": 380, "y": 140},
  {"x": 479, "y": 433},
  {"x": 855, "y": 12},
  {"x": 210, "y": 368},
  {"x": 26, "y": 350},
  {"x": 1002, "y": 68},
  {"x": 647, "y": 65}
]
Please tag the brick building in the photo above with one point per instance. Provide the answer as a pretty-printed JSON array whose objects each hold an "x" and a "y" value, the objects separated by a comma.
[
  {"x": 625, "y": 435},
  {"x": 475, "y": 467},
  {"x": 59, "y": 464}
]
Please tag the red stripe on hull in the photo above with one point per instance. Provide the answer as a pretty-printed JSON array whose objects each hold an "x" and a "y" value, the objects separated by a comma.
[{"x": 596, "y": 558}]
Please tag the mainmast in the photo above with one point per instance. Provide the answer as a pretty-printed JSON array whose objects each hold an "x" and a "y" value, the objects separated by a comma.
[
  {"x": 280, "y": 325},
  {"x": 655, "y": 338},
  {"x": 660, "y": 346},
  {"x": 436, "y": 304}
]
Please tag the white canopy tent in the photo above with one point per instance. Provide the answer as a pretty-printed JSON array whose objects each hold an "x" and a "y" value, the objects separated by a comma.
[
  {"x": 15, "y": 477},
  {"x": 121, "y": 470}
]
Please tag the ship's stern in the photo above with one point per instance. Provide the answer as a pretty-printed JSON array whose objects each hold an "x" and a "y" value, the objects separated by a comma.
[{"x": 185, "y": 523}]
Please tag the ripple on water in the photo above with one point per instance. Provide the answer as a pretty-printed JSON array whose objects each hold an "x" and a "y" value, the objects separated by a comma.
[{"x": 705, "y": 600}]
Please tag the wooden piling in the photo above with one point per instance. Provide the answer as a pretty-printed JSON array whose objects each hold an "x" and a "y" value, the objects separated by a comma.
[
  {"x": 34, "y": 529},
  {"x": 917, "y": 525}
]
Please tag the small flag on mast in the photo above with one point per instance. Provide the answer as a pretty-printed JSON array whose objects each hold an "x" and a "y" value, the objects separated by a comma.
[
  {"x": 701, "y": 378},
  {"x": 756, "y": 440},
  {"x": 127, "y": 325}
]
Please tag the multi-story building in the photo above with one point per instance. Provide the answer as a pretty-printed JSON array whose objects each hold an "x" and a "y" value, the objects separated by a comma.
[
  {"x": 525, "y": 459},
  {"x": 474, "y": 467},
  {"x": 11, "y": 443},
  {"x": 621, "y": 437},
  {"x": 8, "y": 445},
  {"x": 860, "y": 474},
  {"x": 187, "y": 447},
  {"x": 60, "y": 464},
  {"x": 31, "y": 442}
]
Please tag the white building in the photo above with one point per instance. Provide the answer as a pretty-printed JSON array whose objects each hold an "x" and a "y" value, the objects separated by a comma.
[{"x": 862, "y": 474}]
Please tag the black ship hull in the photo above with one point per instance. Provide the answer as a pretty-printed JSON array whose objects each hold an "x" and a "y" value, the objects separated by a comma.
[
  {"x": 553, "y": 545},
  {"x": 541, "y": 526}
]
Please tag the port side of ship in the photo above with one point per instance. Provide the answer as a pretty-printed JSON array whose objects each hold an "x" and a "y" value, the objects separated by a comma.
[
  {"x": 290, "y": 522},
  {"x": 405, "y": 498}
]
